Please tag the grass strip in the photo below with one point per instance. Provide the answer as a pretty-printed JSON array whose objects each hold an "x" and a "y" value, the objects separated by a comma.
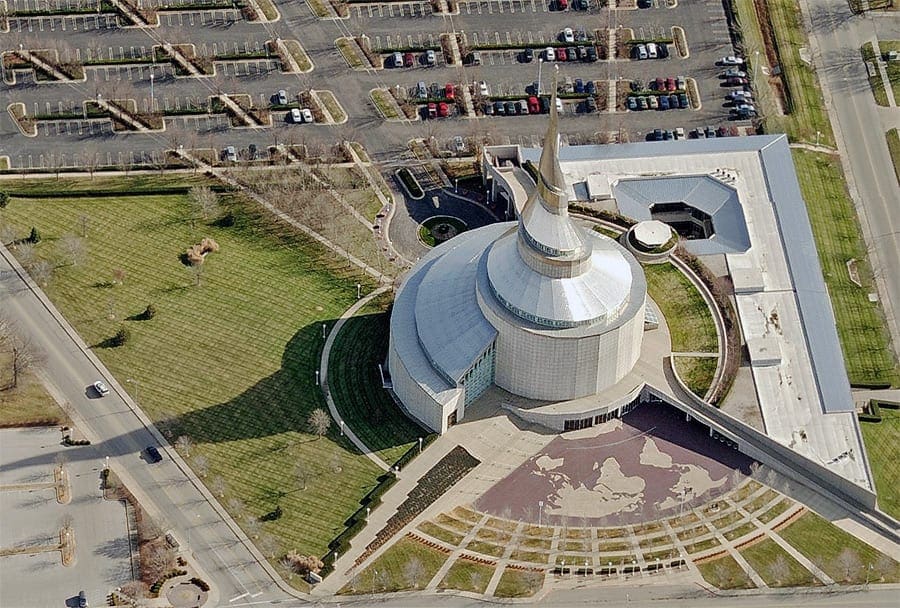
[
  {"x": 725, "y": 573},
  {"x": 29, "y": 403},
  {"x": 860, "y": 323},
  {"x": 440, "y": 533},
  {"x": 696, "y": 372},
  {"x": 875, "y": 81},
  {"x": 776, "y": 566},
  {"x": 406, "y": 565},
  {"x": 882, "y": 441},
  {"x": 893, "y": 142},
  {"x": 466, "y": 575},
  {"x": 843, "y": 557},
  {"x": 334, "y": 108},
  {"x": 690, "y": 322},
  {"x": 349, "y": 51},
  {"x": 384, "y": 104},
  {"x": 519, "y": 583}
]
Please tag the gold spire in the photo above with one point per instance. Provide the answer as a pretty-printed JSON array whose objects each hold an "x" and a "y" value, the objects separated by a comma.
[{"x": 551, "y": 184}]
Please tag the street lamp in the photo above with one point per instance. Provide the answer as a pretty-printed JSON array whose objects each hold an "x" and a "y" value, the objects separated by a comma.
[
  {"x": 818, "y": 134},
  {"x": 358, "y": 293},
  {"x": 420, "y": 445},
  {"x": 368, "y": 511},
  {"x": 755, "y": 67},
  {"x": 342, "y": 428},
  {"x": 317, "y": 377},
  {"x": 540, "y": 511},
  {"x": 151, "y": 93}
]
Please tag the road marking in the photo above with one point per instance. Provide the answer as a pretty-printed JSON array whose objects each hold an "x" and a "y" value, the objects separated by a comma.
[{"x": 239, "y": 597}]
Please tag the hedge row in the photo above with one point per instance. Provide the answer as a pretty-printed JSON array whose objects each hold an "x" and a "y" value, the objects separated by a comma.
[
  {"x": 412, "y": 184},
  {"x": 414, "y": 451},
  {"x": 154, "y": 589}
]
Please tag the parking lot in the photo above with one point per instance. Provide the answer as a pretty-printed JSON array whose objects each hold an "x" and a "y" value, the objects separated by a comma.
[
  {"x": 33, "y": 519},
  {"x": 121, "y": 65}
]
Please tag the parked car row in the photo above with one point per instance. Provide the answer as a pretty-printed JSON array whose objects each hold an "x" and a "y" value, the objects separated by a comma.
[
  {"x": 710, "y": 132},
  {"x": 532, "y": 105},
  {"x": 587, "y": 53},
  {"x": 435, "y": 91},
  {"x": 408, "y": 60},
  {"x": 650, "y": 50},
  {"x": 663, "y": 101},
  {"x": 666, "y": 134}
]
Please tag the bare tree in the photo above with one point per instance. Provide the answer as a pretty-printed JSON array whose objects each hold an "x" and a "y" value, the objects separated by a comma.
[
  {"x": 72, "y": 248},
  {"x": 268, "y": 545},
  {"x": 217, "y": 486},
  {"x": 476, "y": 579},
  {"x": 204, "y": 202},
  {"x": 197, "y": 271},
  {"x": 26, "y": 254},
  {"x": 119, "y": 275},
  {"x": 41, "y": 272},
  {"x": 413, "y": 571},
  {"x": 157, "y": 560},
  {"x": 23, "y": 354},
  {"x": 8, "y": 234},
  {"x": 184, "y": 444},
  {"x": 884, "y": 566},
  {"x": 721, "y": 571},
  {"x": 849, "y": 563},
  {"x": 301, "y": 474},
  {"x": 83, "y": 223},
  {"x": 90, "y": 158},
  {"x": 136, "y": 590},
  {"x": 779, "y": 569},
  {"x": 336, "y": 463},
  {"x": 252, "y": 526},
  {"x": 201, "y": 465},
  {"x": 319, "y": 422},
  {"x": 235, "y": 506}
]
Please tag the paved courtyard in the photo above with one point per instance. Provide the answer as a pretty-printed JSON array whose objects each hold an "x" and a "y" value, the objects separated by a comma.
[
  {"x": 31, "y": 515},
  {"x": 622, "y": 472}
]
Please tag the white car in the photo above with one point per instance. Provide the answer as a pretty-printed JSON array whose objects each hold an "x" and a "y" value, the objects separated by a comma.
[
  {"x": 731, "y": 60},
  {"x": 459, "y": 144},
  {"x": 101, "y": 388},
  {"x": 568, "y": 35},
  {"x": 296, "y": 117},
  {"x": 549, "y": 54},
  {"x": 559, "y": 106},
  {"x": 307, "y": 115},
  {"x": 481, "y": 88}
]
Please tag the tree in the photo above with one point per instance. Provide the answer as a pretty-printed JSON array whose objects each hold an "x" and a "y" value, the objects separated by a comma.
[
  {"x": 23, "y": 354},
  {"x": 34, "y": 236},
  {"x": 7, "y": 234},
  {"x": 83, "y": 222},
  {"x": 217, "y": 486},
  {"x": 268, "y": 545},
  {"x": 204, "y": 201},
  {"x": 120, "y": 338},
  {"x": 184, "y": 444},
  {"x": 201, "y": 465},
  {"x": 301, "y": 474},
  {"x": 235, "y": 506},
  {"x": 119, "y": 275},
  {"x": 149, "y": 312},
  {"x": 413, "y": 571},
  {"x": 41, "y": 272},
  {"x": 319, "y": 422},
  {"x": 252, "y": 526},
  {"x": 4, "y": 199},
  {"x": 72, "y": 248},
  {"x": 849, "y": 563},
  {"x": 136, "y": 590},
  {"x": 26, "y": 253},
  {"x": 779, "y": 569},
  {"x": 156, "y": 560}
]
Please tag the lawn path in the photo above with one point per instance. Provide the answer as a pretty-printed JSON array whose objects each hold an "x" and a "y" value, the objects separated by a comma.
[{"x": 323, "y": 367}]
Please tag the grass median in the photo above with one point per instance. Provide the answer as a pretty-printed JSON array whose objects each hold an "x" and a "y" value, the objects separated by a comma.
[
  {"x": 690, "y": 322},
  {"x": 229, "y": 362},
  {"x": 883, "y": 449},
  {"x": 893, "y": 142}
]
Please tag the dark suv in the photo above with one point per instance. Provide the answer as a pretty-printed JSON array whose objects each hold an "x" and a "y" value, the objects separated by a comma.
[{"x": 153, "y": 454}]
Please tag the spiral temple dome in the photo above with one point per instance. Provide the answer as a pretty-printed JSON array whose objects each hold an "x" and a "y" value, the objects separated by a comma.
[{"x": 541, "y": 307}]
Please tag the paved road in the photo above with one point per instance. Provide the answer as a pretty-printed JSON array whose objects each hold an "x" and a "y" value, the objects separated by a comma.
[
  {"x": 116, "y": 431},
  {"x": 860, "y": 125}
]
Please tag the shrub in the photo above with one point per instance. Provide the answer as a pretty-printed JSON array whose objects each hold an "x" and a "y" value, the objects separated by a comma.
[
  {"x": 196, "y": 254},
  {"x": 120, "y": 338},
  {"x": 4, "y": 199},
  {"x": 35, "y": 236},
  {"x": 149, "y": 312},
  {"x": 202, "y": 584},
  {"x": 303, "y": 564}
]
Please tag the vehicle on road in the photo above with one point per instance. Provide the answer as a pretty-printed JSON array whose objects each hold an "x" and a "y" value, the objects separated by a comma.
[
  {"x": 730, "y": 60},
  {"x": 153, "y": 454},
  {"x": 101, "y": 388}
]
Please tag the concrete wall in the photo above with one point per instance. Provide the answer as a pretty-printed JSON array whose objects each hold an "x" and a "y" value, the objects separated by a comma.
[
  {"x": 556, "y": 421},
  {"x": 417, "y": 401}
]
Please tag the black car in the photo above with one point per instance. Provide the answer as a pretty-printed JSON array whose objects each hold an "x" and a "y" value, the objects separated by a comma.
[
  {"x": 499, "y": 108},
  {"x": 153, "y": 454},
  {"x": 488, "y": 109},
  {"x": 663, "y": 50},
  {"x": 592, "y": 54},
  {"x": 511, "y": 109},
  {"x": 590, "y": 104},
  {"x": 657, "y": 135},
  {"x": 253, "y": 152},
  {"x": 545, "y": 104},
  {"x": 528, "y": 55}
]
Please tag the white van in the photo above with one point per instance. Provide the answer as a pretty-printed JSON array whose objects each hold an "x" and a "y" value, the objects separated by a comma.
[{"x": 652, "y": 51}]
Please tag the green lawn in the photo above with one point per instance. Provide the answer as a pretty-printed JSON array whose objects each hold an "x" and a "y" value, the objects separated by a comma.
[
  {"x": 776, "y": 566},
  {"x": 131, "y": 184},
  {"x": 519, "y": 583},
  {"x": 893, "y": 141},
  {"x": 466, "y": 575},
  {"x": 893, "y": 67},
  {"x": 696, "y": 372},
  {"x": 29, "y": 403},
  {"x": 823, "y": 544},
  {"x": 725, "y": 573},
  {"x": 883, "y": 448},
  {"x": 436, "y": 531},
  {"x": 355, "y": 384},
  {"x": 860, "y": 324},
  {"x": 689, "y": 319},
  {"x": 407, "y": 564},
  {"x": 229, "y": 363}
]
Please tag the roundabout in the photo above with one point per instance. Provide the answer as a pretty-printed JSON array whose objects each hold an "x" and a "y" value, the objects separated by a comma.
[{"x": 439, "y": 229}]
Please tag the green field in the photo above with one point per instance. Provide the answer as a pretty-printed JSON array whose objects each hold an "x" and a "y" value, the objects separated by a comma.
[
  {"x": 893, "y": 141},
  {"x": 861, "y": 328},
  {"x": 696, "y": 372},
  {"x": 405, "y": 565},
  {"x": 519, "y": 583},
  {"x": 892, "y": 67},
  {"x": 29, "y": 403},
  {"x": 823, "y": 544},
  {"x": 883, "y": 448},
  {"x": 689, "y": 319},
  {"x": 725, "y": 573},
  {"x": 355, "y": 384},
  {"x": 230, "y": 363},
  {"x": 776, "y": 566}
]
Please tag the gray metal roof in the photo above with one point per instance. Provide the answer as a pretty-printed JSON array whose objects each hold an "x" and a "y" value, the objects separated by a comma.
[
  {"x": 634, "y": 198},
  {"x": 452, "y": 330},
  {"x": 806, "y": 274}
]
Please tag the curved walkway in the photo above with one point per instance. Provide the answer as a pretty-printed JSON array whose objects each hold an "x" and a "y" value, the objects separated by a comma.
[{"x": 323, "y": 370}]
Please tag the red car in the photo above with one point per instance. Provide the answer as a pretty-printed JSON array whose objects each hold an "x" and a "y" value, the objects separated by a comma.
[
  {"x": 432, "y": 110},
  {"x": 443, "y": 110},
  {"x": 562, "y": 4},
  {"x": 560, "y": 54},
  {"x": 670, "y": 84},
  {"x": 660, "y": 84},
  {"x": 409, "y": 60},
  {"x": 449, "y": 91},
  {"x": 534, "y": 106}
]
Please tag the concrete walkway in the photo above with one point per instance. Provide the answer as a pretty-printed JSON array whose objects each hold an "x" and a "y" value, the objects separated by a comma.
[{"x": 323, "y": 369}]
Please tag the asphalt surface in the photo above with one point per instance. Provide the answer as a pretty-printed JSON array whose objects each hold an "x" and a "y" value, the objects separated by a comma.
[
  {"x": 68, "y": 142},
  {"x": 117, "y": 432},
  {"x": 837, "y": 36}
]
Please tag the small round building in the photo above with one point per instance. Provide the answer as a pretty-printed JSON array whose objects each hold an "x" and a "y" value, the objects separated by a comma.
[{"x": 540, "y": 307}]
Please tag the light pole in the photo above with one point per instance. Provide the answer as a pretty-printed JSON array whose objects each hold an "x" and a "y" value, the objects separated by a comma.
[
  {"x": 540, "y": 511},
  {"x": 317, "y": 377},
  {"x": 540, "y": 65},
  {"x": 151, "y": 93},
  {"x": 358, "y": 292},
  {"x": 368, "y": 511},
  {"x": 342, "y": 428},
  {"x": 323, "y": 331},
  {"x": 755, "y": 67},
  {"x": 818, "y": 134},
  {"x": 420, "y": 445}
]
